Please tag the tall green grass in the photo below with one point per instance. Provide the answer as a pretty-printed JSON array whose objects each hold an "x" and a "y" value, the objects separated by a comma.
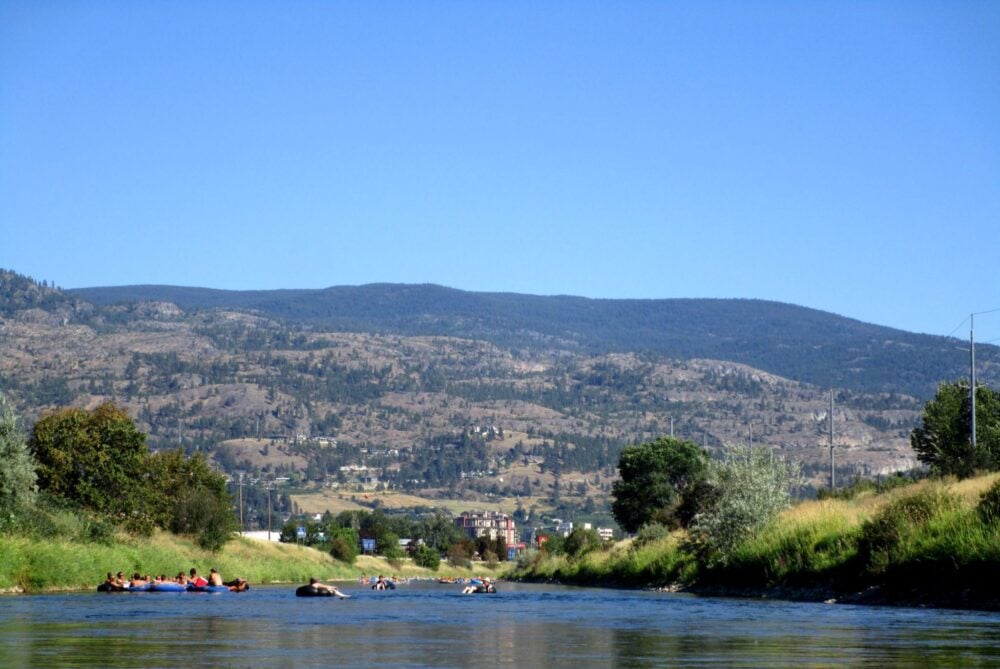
[
  {"x": 936, "y": 539},
  {"x": 33, "y": 564}
]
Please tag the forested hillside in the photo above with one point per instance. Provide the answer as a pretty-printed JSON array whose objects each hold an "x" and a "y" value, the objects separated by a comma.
[
  {"x": 538, "y": 416},
  {"x": 794, "y": 342}
]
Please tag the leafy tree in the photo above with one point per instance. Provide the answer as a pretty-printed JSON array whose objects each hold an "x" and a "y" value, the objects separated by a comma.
[
  {"x": 427, "y": 557},
  {"x": 942, "y": 441},
  {"x": 189, "y": 498},
  {"x": 96, "y": 459},
  {"x": 654, "y": 478},
  {"x": 17, "y": 467},
  {"x": 460, "y": 553},
  {"x": 753, "y": 485},
  {"x": 581, "y": 541},
  {"x": 344, "y": 544}
]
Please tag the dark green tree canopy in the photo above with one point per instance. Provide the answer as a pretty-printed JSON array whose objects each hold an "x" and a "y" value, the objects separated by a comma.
[
  {"x": 96, "y": 459},
  {"x": 942, "y": 440},
  {"x": 99, "y": 460},
  {"x": 654, "y": 479}
]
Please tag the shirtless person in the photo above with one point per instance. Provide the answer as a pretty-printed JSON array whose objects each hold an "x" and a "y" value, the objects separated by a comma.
[{"x": 329, "y": 588}]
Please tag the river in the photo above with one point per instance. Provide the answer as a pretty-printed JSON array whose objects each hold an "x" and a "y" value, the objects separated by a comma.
[{"x": 523, "y": 625}]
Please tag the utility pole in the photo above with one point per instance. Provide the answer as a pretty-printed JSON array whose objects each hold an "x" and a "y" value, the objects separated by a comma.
[
  {"x": 671, "y": 427},
  {"x": 833, "y": 465},
  {"x": 268, "y": 511},
  {"x": 972, "y": 376},
  {"x": 242, "y": 527}
]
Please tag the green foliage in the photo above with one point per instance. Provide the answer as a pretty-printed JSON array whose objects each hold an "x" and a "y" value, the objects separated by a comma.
[
  {"x": 883, "y": 538},
  {"x": 753, "y": 485},
  {"x": 344, "y": 544},
  {"x": 650, "y": 533},
  {"x": 989, "y": 505},
  {"x": 96, "y": 459},
  {"x": 942, "y": 441},
  {"x": 654, "y": 479},
  {"x": 17, "y": 467},
  {"x": 427, "y": 557},
  {"x": 460, "y": 553},
  {"x": 580, "y": 542},
  {"x": 99, "y": 462},
  {"x": 387, "y": 546}
]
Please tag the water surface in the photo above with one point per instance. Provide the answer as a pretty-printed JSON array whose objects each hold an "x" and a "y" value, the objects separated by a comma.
[{"x": 426, "y": 624}]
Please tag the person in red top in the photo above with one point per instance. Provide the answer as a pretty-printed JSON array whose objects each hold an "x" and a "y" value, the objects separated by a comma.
[{"x": 195, "y": 580}]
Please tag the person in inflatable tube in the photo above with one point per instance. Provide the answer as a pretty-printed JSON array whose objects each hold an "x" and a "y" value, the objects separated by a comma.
[
  {"x": 480, "y": 588},
  {"x": 317, "y": 589}
]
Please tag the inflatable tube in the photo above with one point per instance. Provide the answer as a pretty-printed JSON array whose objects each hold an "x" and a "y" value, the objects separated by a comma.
[
  {"x": 207, "y": 588},
  {"x": 167, "y": 587},
  {"x": 107, "y": 587},
  {"x": 140, "y": 588},
  {"x": 312, "y": 591}
]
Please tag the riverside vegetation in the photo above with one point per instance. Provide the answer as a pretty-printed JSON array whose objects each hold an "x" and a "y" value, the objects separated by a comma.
[
  {"x": 931, "y": 542},
  {"x": 83, "y": 496},
  {"x": 721, "y": 526}
]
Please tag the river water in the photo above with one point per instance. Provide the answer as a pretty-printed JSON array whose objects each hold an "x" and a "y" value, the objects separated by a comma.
[{"x": 427, "y": 624}]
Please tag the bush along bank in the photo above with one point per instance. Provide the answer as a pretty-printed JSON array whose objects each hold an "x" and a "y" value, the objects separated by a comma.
[{"x": 934, "y": 543}]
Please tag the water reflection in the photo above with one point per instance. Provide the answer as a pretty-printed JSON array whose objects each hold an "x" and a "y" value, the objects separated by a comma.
[{"x": 523, "y": 625}]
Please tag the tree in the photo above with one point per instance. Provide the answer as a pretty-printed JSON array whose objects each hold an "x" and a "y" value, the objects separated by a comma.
[
  {"x": 189, "y": 498},
  {"x": 654, "y": 479},
  {"x": 96, "y": 459},
  {"x": 942, "y": 440},
  {"x": 344, "y": 544},
  {"x": 752, "y": 485},
  {"x": 581, "y": 541},
  {"x": 17, "y": 467},
  {"x": 427, "y": 557}
]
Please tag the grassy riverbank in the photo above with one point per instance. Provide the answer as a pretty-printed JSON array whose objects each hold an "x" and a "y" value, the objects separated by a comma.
[
  {"x": 40, "y": 565},
  {"x": 928, "y": 543}
]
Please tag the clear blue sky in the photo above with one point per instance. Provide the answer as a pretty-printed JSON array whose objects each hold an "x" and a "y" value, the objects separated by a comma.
[{"x": 838, "y": 155}]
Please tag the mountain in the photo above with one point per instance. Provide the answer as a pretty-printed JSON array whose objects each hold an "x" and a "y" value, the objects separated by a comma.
[
  {"x": 445, "y": 392},
  {"x": 794, "y": 342}
]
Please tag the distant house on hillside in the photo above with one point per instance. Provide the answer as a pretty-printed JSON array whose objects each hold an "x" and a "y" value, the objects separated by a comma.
[{"x": 492, "y": 524}]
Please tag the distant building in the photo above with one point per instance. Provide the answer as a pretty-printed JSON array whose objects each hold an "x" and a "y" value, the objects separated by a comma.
[{"x": 490, "y": 524}]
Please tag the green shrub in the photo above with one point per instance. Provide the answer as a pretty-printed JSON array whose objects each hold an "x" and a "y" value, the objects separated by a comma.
[
  {"x": 753, "y": 485},
  {"x": 427, "y": 557},
  {"x": 344, "y": 542},
  {"x": 883, "y": 538},
  {"x": 581, "y": 541},
  {"x": 989, "y": 505},
  {"x": 651, "y": 532}
]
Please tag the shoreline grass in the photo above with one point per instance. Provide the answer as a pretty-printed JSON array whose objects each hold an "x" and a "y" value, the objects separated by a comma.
[
  {"x": 926, "y": 544},
  {"x": 33, "y": 565}
]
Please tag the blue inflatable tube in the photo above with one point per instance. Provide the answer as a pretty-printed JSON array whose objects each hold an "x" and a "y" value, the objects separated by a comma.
[{"x": 167, "y": 587}]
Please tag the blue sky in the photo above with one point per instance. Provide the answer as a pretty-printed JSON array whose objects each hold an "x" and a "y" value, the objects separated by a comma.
[{"x": 838, "y": 155}]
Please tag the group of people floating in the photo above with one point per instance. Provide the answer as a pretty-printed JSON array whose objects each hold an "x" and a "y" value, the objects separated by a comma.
[
  {"x": 119, "y": 583},
  {"x": 316, "y": 589},
  {"x": 193, "y": 581}
]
